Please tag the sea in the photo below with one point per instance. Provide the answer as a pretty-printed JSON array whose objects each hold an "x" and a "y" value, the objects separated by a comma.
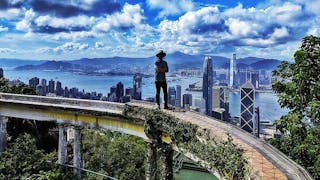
[{"x": 267, "y": 102}]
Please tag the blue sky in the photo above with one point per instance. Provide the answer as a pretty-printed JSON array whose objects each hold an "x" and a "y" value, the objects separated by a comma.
[{"x": 72, "y": 29}]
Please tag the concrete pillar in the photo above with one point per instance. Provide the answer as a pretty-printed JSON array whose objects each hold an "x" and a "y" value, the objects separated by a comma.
[
  {"x": 77, "y": 160},
  {"x": 62, "y": 146},
  {"x": 3, "y": 133},
  {"x": 151, "y": 169},
  {"x": 167, "y": 152}
]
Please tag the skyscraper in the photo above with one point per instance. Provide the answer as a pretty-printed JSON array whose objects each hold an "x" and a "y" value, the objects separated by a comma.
[
  {"x": 254, "y": 77},
  {"x": 178, "y": 96},
  {"x": 33, "y": 82},
  {"x": 233, "y": 69},
  {"x": 247, "y": 107},
  {"x": 207, "y": 85},
  {"x": 215, "y": 97},
  {"x": 187, "y": 100},
  {"x": 44, "y": 85},
  {"x": 129, "y": 91},
  {"x": 1, "y": 73},
  {"x": 59, "y": 90},
  {"x": 137, "y": 86},
  {"x": 119, "y": 90},
  {"x": 172, "y": 95},
  {"x": 51, "y": 86}
]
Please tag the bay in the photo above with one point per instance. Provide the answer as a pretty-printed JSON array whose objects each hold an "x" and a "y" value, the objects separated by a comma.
[{"x": 269, "y": 107}]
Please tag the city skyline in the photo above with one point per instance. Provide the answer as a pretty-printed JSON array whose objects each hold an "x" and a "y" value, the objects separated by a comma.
[{"x": 78, "y": 29}]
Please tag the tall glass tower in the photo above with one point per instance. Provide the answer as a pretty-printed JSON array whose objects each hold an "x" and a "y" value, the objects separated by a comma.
[
  {"x": 207, "y": 84},
  {"x": 137, "y": 86},
  {"x": 247, "y": 117},
  {"x": 233, "y": 69}
]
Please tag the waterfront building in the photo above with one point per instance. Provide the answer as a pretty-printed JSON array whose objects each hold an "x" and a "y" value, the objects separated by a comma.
[
  {"x": 207, "y": 85},
  {"x": 178, "y": 96},
  {"x": 129, "y": 91},
  {"x": 1, "y": 73},
  {"x": 172, "y": 96},
  {"x": 254, "y": 78},
  {"x": 233, "y": 69},
  {"x": 187, "y": 100},
  {"x": 247, "y": 97},
  {"x": 119, "y": 90},
  {"x": 215, "y": 97},
  {"x": 51, "y": 86},
  {"x": 66, "y": 92},
  {"x": 44, "y": 85},
  {"x": 59, "y": 90},
  {"x": 40, "y": 90},
  {"x": 137, "y": 86},
  {"x": 257, "y": 121},
  {"x": 224, "y": 100},
  {"x": 33, "y": 82}
]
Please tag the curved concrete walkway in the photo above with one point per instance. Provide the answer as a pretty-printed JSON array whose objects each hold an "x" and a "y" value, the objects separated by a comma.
[{"x": 265, "y": 161}]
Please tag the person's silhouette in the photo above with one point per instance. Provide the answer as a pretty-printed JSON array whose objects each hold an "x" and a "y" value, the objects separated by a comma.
[{"x": 161, "y": 68}]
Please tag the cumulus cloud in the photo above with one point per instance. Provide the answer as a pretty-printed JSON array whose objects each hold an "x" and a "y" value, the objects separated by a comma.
[
  {"x": 99, "y": 45},
  {"x": 6, "y": 50},
  {"x": 68, "y": 48},
  {"x": 3, "y": 29},
  {"x": 171, "y": 7},
  {"x": 238, "y": 26},
  {"x": 129, "y": 17},
  {"x": 66, "y": 8},
  {"x": 11, "y": 14}
]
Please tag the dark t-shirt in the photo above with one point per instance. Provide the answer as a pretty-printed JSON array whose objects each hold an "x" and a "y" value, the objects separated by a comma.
[{"x": 160, "y": 76}]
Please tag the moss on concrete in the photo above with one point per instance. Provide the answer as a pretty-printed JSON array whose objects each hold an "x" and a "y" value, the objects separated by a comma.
[{"x": 215, "y": 155}]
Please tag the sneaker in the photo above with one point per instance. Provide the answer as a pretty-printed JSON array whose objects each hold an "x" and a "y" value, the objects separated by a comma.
[
  {"x": 166, "y": 107},
  {"x": 159, "y": 107}
]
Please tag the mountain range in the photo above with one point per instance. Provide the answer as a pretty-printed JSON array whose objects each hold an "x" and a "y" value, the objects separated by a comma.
[{"x": 177, "y": 60}]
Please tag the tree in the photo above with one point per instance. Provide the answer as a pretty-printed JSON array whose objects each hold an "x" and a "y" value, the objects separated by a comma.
[
  {"x": 114, "y": 154},
  {"x": 298, "y": 84},
  {"x": 22, "y": 160}
]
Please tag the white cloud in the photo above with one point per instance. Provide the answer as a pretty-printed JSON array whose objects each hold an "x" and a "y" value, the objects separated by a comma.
[
  {"x": 171, "y": 7},
  {"x": 68, "y": 48},
  {"x": 6, "y": 50},
  {"x": 99, "y": 45},
  {"x": 26, "y": 23},
  {"x": 66, "y": 23},
  {"x": 130, "y": 16},
  {"x": 11, "y": 14},
  {"x": 71, "y": 47},
  {"x": 315, "y": 31},
  {"x": 3, "y": 29}
]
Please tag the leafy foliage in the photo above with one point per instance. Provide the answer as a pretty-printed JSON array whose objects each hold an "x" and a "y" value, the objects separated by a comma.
[
  {"x": 299, "y": 87},
  {"x": 114, "y": 154},
  {"x": 223, "y": 156},
  {"x": 23, "y": 160}
]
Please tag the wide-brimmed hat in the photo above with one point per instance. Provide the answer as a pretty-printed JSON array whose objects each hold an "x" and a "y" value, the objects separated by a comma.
[{"x": 161, "y": 54}]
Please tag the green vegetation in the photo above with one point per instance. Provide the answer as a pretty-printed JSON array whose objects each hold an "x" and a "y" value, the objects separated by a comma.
[
  {"x": 114, "y": 154},
  {"x": 222, "y": 156},
  {"x": 22, "y": 159},
  {"x": 299, "y": 87}
]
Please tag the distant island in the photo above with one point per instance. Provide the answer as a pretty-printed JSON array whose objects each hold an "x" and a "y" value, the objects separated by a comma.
[{"x": 130, "y": 66}]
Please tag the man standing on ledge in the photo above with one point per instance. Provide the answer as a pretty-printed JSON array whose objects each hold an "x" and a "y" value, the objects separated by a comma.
[{"x": 161, "y": 68}]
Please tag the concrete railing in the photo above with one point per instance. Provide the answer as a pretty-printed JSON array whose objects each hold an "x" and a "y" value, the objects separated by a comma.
[{"x": 106, "y": 115}]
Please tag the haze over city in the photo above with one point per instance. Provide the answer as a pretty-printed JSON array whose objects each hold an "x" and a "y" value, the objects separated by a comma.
[{"x": 75, "y": 29}]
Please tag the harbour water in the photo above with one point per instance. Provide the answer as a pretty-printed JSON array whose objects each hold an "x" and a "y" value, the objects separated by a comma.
[{"x": 269, "y": 107}]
